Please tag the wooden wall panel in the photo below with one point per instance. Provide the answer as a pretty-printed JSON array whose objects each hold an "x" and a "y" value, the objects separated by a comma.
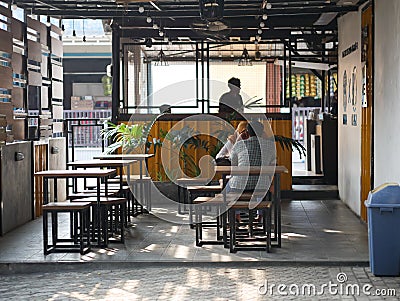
[
  {"x": 57, "y": 90},
  {"x": 40, "y": 28},
  {"x": 44, "y": 97},
  {"x": 57, "y": 161},
  {"x": 34, "y": 51},
  {"x": 5, "y": 11},
  {"x": 6, "y": 77},
  {"x": 17, "y": 63},
  {"x": 7, "y": 109},
  {"x": 44, "y": 67},
  {"x": 58, "y": 112},
  {"x": 40, "y": 163},
  {"x": 56, "y": 47},
  {"x": 17, "y": 29},
  {"x": 16, "y": 184},
  {"x": 6, "y": 41},
  {"x": 18, "y": 129},
  {"x": 279, "y": 127},
  {"x": 57, "y": 72},
  {"x": 18, "y": 97},
  {"x": 35, "y": 79},
  {"x": 366, "y": 116},
  {"x": 56, "y": 29}
]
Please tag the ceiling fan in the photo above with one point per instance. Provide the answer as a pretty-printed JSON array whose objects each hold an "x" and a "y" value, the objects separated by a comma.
[{"x": 211, "y": 22}]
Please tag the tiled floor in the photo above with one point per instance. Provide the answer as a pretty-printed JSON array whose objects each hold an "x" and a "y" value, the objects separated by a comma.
[{"x": 313, "y": 231}]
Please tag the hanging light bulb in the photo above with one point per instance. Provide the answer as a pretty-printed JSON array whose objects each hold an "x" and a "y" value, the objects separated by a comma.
[
  {"x": 257, "y": 37},
  {"x": 259, "y": 31},
  {"x": 268, "y": 6},
  {"x": 48, "y": 23},
  {"x": 264, "y": 16},
  {"x": 161, "y": 33},
  {"x": 83, "y": 29},
  {"x": 262, "y": 24},
  {"x": 155, "y": 26},
  {"x": 148, "y": 19},
  {"x": 141, "y": 9},
  {"x": 14, "y": 6},
  {"x": 165, "y": 39}
]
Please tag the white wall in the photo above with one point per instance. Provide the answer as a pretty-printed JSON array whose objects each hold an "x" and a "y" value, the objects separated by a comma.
[
  {"x": 349, "y": 135},
  {"x": 387, "y": 92}
]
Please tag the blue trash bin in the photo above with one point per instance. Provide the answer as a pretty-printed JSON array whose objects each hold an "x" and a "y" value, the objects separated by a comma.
[{"x": 383, "y": 205}]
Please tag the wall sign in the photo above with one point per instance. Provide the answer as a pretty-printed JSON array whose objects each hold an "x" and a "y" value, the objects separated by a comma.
[{"x": 350, "y": 50}]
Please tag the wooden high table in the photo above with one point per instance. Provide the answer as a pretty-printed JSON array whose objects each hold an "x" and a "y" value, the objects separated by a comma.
[
  {"x": 259, "y": 170},
  {"x": 99, "y": 174},
  {"x": 139, "y": 157},
  {"x": 120, "y": 164}
]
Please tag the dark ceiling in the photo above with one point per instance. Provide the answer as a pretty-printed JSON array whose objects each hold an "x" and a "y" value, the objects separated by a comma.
[{"x": 293, "y": 21}]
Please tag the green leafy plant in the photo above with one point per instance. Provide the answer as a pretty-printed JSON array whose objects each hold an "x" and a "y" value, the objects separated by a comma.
[
  {"x": 133, "y": 137},
  {"x": 289, "y": 144}
]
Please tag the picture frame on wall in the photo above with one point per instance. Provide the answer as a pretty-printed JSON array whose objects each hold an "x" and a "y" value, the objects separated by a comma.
[{"x": 354, "y": 119}]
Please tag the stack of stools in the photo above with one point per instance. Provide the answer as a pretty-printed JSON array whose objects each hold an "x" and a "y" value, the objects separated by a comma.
[
  {"x": 112, "y": 214},
  {"x": 80, "y": 233}
]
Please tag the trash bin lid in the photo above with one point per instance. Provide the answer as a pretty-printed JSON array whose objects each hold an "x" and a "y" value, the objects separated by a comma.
[{"x": 386, "y": 195}]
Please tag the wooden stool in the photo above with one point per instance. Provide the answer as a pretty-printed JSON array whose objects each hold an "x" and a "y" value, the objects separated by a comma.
[
  {"x": 265, "y": 207},
  {"x": 112, "y": 217},
  {"x": 198, "y": 191},
  {"x": 183, "y": 183},
  {"x": 199, "y": 204},
  {"x": 79, "y": 232}
]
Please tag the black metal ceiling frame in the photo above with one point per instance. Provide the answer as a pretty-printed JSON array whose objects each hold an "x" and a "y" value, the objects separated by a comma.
[{"x": 109, "y": 9}]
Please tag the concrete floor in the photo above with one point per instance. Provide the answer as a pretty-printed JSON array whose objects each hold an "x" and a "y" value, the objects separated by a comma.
[{"x": 324, "y": 232}]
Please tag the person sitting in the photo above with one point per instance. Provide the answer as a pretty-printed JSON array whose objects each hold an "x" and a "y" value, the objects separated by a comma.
[
  {"x": 239, "y": 134},
  {"x": 231, "y": 101},
  {"x": 257, "y": 150}
]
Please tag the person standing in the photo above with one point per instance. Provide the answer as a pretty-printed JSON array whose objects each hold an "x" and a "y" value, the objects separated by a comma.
[{"x": 231, "y": 101}]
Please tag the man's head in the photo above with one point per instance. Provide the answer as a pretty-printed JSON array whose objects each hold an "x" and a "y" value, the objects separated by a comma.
[
  {"x": 255, "y": 128},
  {"x": 234, "y": 83}
]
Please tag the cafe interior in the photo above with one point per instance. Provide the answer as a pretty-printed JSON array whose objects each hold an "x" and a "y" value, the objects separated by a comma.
[{"x": 130, "y": 174}]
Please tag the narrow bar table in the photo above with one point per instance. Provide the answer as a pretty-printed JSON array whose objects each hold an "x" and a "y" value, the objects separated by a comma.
[
  {"x": 139, "y": 157},
  {"x": 99, "y": 174},
  {"x": 120, "y": 164}
]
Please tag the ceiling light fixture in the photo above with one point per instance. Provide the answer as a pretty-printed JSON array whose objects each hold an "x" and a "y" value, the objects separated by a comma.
[
  {"x": 268, "y": 6},
  {"x": 148, "y": 19},
  {"x": 48, "y": 23},
  {"x": 148, "y": 42},
  {"x": 155, "y": 26},
  {"x": 264, "y": 16},
  {"x": 245, "y": 59},
  {"x": 161, "y": 33},
  {"x": 83, "y": 29},
  {"x": 14, "y": 6},
  {"x": 259, "y": 31},
  {"x": 141, "y": 9},
  {"x": 161, "y": 59},
  {"x": 73, "y": 28},
  {"x": 262, "y": 24}
]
